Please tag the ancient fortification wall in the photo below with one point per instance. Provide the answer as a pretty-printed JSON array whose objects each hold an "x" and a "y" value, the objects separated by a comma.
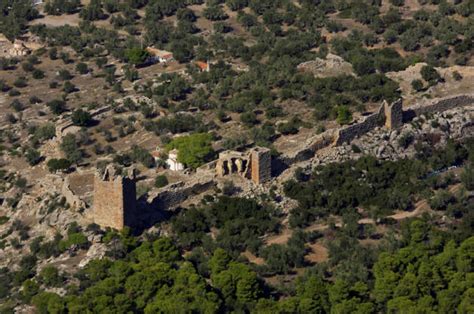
[
  {"x": 370, "y": 122},
  {"x": 170, "y": 197},
  {"x": 255, "y": 164},
  {"x": 393, "y": 114},
  {"x": 309, "y": 148},
  {"x": 442, "y": 104},
  {"x": 71, "y": 198},
  {"x": 115, "y": 195}
]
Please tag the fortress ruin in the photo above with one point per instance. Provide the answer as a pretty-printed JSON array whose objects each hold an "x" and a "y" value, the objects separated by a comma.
[
  {"x": 114, "y": 199},
  {"x": 255, "y": 164},
  {"x": 115, "y": 195}
]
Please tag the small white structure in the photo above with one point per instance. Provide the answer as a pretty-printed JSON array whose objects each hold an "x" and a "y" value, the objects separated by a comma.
[
  {"x": 161, "y": 56},
  {"x": 173, "y": 162}
]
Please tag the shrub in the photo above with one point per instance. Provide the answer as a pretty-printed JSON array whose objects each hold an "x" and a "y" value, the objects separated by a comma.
[
  {"x": 290, "y": 127},
  {"x": 53, "y": 53},
  {"x": 139, "y": 154},
  {"x": 193, "y": 150},
  {"x": 27, "y": 66},
  {"x": 38, "y": 74},
  {"x": 457, "y": 76},
  {"x": 35, "y": 100},
  {"x": 58, "y": 164},
  {"x": 136, "y": 55},
  {"x": 74, "y": 239},
  {"x": 14, "y": 92},
  {"x": 214, "y": 13},
  {"x": 50, "y": 277},
  {"x": 467, "y": 178},
  {"x": 82, "y": 68},
  {"x": 33, "y": 156},
  {"x": 81, "y": 117},
  {"x": 64, "y": 75},
  {"x": 344, "y": 115},
  {"x": 417, "y": 85},
  {"x": 406, "y": 139},
  {"x": 17, "y": 105},
  {"x": 57, "y": 106},
  {"x": 161, "y": 181},
  {"x": 20, "y": 82},
  {"x": 441, "y": 200},
  {"x": 69, "y": 87},
  {"x": 430, "y": 75},
  {"x": 249, "y": 118},
  {"x": 397, "y": 3}
]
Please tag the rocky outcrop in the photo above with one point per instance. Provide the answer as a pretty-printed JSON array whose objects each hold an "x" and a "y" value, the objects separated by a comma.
[{"x": 332, "y": 65}]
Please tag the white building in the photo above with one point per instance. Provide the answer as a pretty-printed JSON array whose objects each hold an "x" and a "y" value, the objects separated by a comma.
[
  {"x": 161, "y": 56},
  {"x": 173, "y": 162}
]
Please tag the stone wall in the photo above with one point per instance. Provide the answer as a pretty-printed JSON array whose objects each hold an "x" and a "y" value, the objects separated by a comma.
[
  {"x": 114, "y": 202},
  {"x": 442, "y": 104},
  {"x": 313, "y": 144},
  {"x": 114, "y": 199},
  {"x": 170, "y": 197},
  {"x": 67, "y": 126},
  {"x": 393, "y": 114},
  {"x": 370, "y": 122}
]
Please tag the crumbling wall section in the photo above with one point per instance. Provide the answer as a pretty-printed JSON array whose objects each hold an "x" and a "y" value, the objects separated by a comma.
[
  {"x": 308, "y": 150},
  {"x": 71, "y": 198},
  {"x": 348, "y": 133},
  {"x": 256, "y": 164},
  {"x": 66, "y": 126},
  {"x": 170, "y": 197},
  {"x": 393, "y": 114},
  {"x": 443, "y": 104}
]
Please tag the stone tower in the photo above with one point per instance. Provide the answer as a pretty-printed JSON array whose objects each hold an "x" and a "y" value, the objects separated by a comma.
[
  {"x": 115, "y": 197},
  {"x": 393, "y": 114},
  {"x": 261, "y": 165}
]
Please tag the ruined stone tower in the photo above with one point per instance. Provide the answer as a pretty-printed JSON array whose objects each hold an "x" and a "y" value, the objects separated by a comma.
[
  {"x": 261, "y": 165},
  {"x": 393, "y": 114},
  {"x": 114, "y": 199}
]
